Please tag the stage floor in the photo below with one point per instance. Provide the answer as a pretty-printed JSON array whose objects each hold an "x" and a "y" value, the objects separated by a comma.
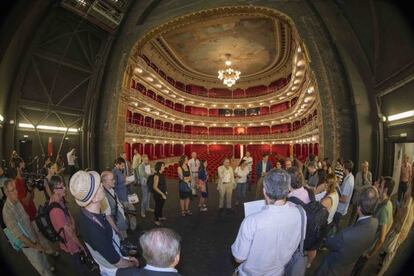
[{"x": 206, "y": 238}]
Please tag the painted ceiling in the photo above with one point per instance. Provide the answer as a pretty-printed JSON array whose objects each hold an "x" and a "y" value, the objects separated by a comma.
[{"x": 202, "y": 47}]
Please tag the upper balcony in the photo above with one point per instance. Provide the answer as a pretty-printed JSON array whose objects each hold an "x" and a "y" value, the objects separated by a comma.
[
  {"x": 150, "y": 107},
  {"x": 148, "y": 73}
]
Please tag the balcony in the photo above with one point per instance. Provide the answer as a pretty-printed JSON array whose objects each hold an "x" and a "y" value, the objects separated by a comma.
[
  {"x": 144, "y": 133},
  {"x": 158, "y": 108}
]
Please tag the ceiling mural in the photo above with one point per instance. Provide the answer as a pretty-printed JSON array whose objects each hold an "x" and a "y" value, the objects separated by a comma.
[{"x": 201, "y": 47}]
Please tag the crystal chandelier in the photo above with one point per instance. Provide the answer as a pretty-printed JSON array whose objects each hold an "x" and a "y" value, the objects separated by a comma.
[{"x": 229, "y": 76}]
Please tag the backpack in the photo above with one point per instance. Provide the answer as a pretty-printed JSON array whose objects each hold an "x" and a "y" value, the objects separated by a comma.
[
  {"x": 317, "y": 220},
  {"x": 150, "y": 183},
  {"x": 44, "y": 223}
]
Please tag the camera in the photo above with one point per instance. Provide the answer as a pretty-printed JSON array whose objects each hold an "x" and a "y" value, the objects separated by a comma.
[
  {"x": 88, "y": 261},
  {"x": 34, "y": 181},
  {"x": 128, "y": 249}
]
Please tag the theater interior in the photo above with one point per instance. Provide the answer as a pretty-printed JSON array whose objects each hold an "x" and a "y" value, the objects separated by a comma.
[{"x": 291, "y": 78}]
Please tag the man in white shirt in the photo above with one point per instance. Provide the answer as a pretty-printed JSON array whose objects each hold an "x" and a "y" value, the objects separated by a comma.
[
  {"x": 194, "y": 165},
  {"x": 226, "y": 184},
  {"x": 267, "y": 240},
  {"x": 71, "y": 155},
  {"x": 136, "y": 160},
  {"x": 346, "y": 189},
  {"x": 249, "y": 160}
]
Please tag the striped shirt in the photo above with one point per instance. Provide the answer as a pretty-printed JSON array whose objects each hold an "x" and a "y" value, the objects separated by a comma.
[{"x": 339, "y": 173}]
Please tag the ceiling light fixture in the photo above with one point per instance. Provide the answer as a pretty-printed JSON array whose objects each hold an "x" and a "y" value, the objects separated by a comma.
[
  {"x": 229, "y": 76},
  {"x": 400, "y": 116}
]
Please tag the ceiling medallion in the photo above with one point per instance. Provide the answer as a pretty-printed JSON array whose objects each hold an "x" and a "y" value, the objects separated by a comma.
[{"x": 229, "y": 76}]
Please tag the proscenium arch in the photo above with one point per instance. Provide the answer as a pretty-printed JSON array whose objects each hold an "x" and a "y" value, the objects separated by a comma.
[{"x": 336, "y": 109}]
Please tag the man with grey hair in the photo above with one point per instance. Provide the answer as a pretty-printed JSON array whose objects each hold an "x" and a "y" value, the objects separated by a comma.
[
  {"x": 161, "y": 250},
  {"x": 275, "y": 226},
  {"x": 349, "y": 244}
]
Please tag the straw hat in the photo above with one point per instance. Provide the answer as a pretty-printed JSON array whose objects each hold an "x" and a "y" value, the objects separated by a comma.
[{"x": 83, "y": 186}]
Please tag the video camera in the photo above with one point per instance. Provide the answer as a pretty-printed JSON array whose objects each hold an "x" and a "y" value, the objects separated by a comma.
[
  {"x": 128, "y": 249},
  {"x": 35, "y": 181}
]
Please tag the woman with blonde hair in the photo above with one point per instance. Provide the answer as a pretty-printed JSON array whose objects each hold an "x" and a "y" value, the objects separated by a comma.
[
  {"x": 330, "y": 202},
  {"x": 331, "y": 199}
]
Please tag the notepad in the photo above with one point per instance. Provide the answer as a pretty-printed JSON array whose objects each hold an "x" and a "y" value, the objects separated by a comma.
[
  {"x": 130, "y": 179},
  {"x": 252, "y": 207}
]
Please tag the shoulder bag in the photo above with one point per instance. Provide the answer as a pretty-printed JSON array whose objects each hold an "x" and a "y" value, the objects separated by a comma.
[{"x": 297, "y": 264}]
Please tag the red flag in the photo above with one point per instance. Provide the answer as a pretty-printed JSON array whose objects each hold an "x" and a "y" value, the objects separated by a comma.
[{"x": 50, "y": 147}]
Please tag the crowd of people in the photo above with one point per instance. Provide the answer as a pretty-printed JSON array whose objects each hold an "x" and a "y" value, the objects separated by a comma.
[{"x": 305, "y": 209}]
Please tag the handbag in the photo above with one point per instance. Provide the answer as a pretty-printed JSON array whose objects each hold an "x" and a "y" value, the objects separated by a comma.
[
  {"x": 297, "y": 264},
  {"x": 15, "y": 242},
  {"x": 200, "y": 185},
  {"x": 184, "y": 187}
]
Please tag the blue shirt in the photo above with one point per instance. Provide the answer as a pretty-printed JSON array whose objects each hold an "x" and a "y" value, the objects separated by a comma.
[{"x": 120, "y": 188}]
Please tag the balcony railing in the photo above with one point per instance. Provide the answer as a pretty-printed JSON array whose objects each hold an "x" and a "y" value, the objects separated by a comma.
[
  {"x": 280, "y": 91},
  {"x": 137, "y": 131},
  {"x": 161, "y": 108}
]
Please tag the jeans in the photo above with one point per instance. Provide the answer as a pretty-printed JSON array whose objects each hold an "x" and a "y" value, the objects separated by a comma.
[
  {"x": 159, "y": 204},
  {"x": 46, "y": 244},
  {"x": 241, "y": 192},
  {"x": 146, "y": 195},
  {"x": 38, "y": 260}
]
